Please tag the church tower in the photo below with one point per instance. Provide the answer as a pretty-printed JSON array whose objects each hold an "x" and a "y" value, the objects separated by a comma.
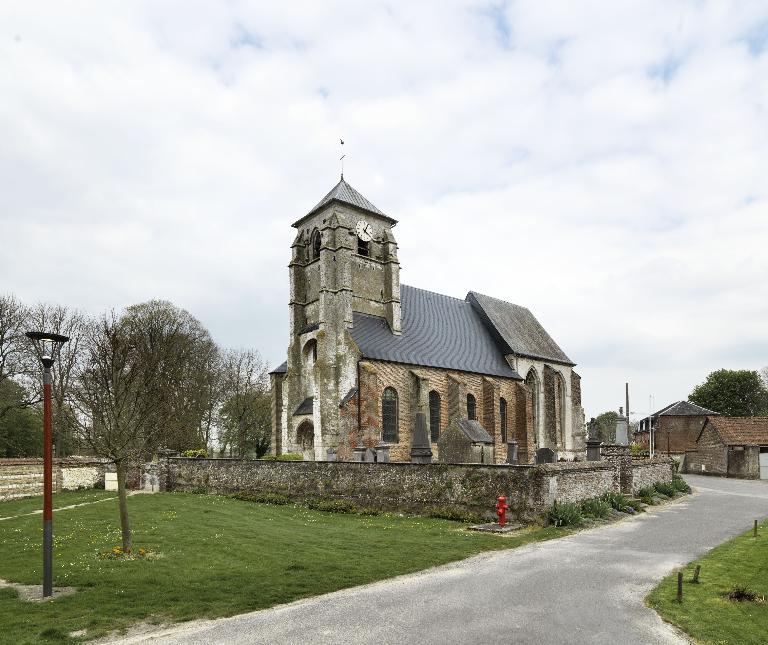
[{"x": 343, "y": 261}]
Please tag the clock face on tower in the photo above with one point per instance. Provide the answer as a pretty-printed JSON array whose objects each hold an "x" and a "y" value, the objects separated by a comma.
[{"x": 364, "y": 230}]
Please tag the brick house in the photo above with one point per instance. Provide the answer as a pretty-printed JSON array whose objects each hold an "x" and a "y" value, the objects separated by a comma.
[
  {"x": 366, "y": 354},
  {"x": 731, "y": 446},
  {"x": 675, "y": 427}
]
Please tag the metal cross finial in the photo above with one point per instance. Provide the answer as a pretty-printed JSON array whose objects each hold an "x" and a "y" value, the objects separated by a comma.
[{"x": 341, "y": 159}]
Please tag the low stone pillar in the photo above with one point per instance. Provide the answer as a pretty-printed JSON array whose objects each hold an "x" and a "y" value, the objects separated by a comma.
[
  {"x": 421, "y": 448},
  {"x": 512, "y": 451},
  {"x": 621, "y": 458},
  {"x": 382, "y": 453},
  {"x": 593, "y": 449}
]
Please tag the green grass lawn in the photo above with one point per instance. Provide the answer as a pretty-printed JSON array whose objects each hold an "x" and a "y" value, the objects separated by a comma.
[
  {"x": 64, "y": 498},
  {"x": 706, "y": 613},
  {"x": 214, "y": 556}
]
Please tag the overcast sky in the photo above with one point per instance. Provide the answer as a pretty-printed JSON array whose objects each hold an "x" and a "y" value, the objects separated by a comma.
[{"x": 603, "y": 163}]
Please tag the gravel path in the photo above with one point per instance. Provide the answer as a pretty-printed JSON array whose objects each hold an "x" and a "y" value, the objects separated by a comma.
[{"x": 585, "y": 588}]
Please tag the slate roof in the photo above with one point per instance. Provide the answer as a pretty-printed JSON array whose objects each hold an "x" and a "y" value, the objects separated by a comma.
[
  {"x": 437, "y": 331},
  {"x": 281, "y": 369},
  {"x": 305, "y": 407},
  {"x": 682, "y": 409},
  {"x": 517, "y": 329},
  {"x": 345, "y": 194},
  {"x": 741, "y": 431},
  {"x": 474, "y": 431}
]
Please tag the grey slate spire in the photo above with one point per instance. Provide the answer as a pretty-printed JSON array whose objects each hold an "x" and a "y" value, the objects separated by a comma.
[{"x": 345, "y": 194}]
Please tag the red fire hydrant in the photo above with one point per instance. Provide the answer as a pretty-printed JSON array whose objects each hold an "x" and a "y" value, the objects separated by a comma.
[{"x": 501, "y": 510}]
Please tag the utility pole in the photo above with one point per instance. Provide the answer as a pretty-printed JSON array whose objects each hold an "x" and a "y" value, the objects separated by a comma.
[{"x": 626, "y": 386}]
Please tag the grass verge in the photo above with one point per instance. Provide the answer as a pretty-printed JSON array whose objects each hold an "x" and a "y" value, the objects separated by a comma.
[
  {"x": 213, "y": 556},
  {"x": 706, "y": 612},
  {"x": 64, "y": 498}
]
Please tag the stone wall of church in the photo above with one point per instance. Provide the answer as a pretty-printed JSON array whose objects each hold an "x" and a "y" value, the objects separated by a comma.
[{"x": 452, "y": 387}]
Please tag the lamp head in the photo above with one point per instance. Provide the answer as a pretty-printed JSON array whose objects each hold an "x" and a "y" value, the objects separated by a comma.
[{"x": 47, "y": 345}]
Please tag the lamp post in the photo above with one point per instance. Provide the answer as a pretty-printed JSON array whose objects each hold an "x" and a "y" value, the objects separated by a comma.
[{"x": 47, "y": 346}]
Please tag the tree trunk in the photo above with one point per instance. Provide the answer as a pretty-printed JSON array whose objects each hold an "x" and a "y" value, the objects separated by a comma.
[{"x": 122, "y": 496}]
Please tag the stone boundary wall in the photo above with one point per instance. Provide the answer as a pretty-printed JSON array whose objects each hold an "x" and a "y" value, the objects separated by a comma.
[
  {"x": 470, "y": 488},
  {"x": 24, "y": 477},
  {"x": 647, "y": 472}
]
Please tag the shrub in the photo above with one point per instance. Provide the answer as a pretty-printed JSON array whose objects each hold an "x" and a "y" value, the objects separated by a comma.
[
  {"x": 453, "y": 513},
  {"x": 331, "y": 505},
  {"x": 597, "y": 508},
  {"x": 263, "y": 498},
  {"x": 618, "y": 501},
  {"x": 637, "y": 449},
  {"x": 647, "y": 495},
  {"x": 196, "y": 453},
  {"x": 368, "y": 510},
  {"x": 665, "y": 488},
  {"x": 290, "y": 456},
  {"x": 741, "y": 593},
  {"x": 565, "y": 514},
  {"x": 680, "y": 485}
]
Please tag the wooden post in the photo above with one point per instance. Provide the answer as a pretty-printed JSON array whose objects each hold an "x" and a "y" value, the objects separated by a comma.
[
  {"x": 679, "y": 586},
  {"x": 696, "y": 573},
  {"x": 755, "y": 528}
]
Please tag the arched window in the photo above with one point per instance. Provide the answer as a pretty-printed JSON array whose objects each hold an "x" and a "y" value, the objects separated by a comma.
[
  {"x": 310, "y": 352},
  {"x": 316, "y": 244},
  {"x": 532, "y": 381},
  {"x": 363, "y": 247},
  {"x": 471, "y": 407},
  {"x": 503, "y": 419},
  {"x": 389, "y": 414},
  {"x": 434, "y": 416}
]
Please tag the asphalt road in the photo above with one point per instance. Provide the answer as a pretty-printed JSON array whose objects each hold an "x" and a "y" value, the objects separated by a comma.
[{"x": 586, "y": 588}]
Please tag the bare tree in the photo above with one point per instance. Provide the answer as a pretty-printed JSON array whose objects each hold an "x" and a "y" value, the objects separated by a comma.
[
  {"x": 245, "y": 410},
  {"x": 191, "y": 373},
  {"x": 764, "y": 375},
  {"x": 14, "y": 348},
  {"x": 68, "y": 364}
]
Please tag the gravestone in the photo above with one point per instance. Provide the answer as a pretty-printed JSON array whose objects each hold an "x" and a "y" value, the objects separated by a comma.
[
  {"x": 358, "y": 454},
  {"x": 331, "y": 455},
  {"x": 545, "y": 456}
]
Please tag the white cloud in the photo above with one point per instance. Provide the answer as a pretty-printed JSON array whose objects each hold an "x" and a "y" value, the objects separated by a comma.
[{"x": 601, "y": 163}]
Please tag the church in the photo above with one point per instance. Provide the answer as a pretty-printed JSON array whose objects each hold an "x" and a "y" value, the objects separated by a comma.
[{"x": 367, "y": 354}]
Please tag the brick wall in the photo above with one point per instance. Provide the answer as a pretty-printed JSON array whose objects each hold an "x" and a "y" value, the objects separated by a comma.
[
  {"x": 407, "y": 487},
  {"x": 677, "y": 432},
  {"x": 452, "y": 388}
]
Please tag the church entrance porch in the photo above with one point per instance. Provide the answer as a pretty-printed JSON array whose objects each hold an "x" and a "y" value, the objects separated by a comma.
[{"x": 305, "y": 439}]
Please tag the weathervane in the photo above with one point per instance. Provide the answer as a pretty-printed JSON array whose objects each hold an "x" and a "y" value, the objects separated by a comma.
[{"x": 341, "y": 159}]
